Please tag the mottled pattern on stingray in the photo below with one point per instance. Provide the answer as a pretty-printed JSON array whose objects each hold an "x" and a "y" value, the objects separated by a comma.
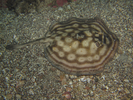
[{"x": 81, "y": 46}]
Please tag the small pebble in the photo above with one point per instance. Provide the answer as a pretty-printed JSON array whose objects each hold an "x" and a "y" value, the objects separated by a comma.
[{"x": 60, "y": 9}]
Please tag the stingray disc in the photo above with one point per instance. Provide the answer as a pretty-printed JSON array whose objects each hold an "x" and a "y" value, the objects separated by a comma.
[{"x": 81, "y": 46}]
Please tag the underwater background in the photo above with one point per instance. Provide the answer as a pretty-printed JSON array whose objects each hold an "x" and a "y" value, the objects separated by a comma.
[{"x": 25, "y": 74}]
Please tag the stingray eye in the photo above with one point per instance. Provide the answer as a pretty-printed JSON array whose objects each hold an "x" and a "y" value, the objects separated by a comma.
[{"x": 81, "y": 47}]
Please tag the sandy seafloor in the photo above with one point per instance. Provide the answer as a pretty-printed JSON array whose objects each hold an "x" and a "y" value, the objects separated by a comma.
[{"x": 26, "y": 75}]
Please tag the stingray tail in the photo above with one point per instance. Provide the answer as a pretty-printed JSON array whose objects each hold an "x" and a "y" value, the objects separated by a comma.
[{"x": 18, "y": 46}]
